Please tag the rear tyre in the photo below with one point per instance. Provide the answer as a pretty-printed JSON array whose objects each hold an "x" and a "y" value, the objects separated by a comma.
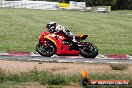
[
  {"x": 48, "y": 50},
  {"x": 89, "y": 51}
]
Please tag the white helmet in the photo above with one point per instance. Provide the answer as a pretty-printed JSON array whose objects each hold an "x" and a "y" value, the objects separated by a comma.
[{"x": 60, "y": 28}]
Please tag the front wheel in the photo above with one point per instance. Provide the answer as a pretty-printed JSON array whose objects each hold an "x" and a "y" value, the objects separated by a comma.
[
  {"x": 48, "y": 50},
  {"x": 89, "y": 51}
]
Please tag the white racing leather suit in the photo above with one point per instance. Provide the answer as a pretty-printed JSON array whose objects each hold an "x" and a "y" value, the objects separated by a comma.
[{"x": 60, "y": 28}]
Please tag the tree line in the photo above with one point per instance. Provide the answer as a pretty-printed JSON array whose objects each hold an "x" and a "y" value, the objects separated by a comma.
[{"x": 116, "y": 4}]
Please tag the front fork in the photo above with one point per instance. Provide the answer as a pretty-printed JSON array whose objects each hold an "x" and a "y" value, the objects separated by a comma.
[
  {"x": 43, "y": 42},
  {"x": 81, "y": 45}
]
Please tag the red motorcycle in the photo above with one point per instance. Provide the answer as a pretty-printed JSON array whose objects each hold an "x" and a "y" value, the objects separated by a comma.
[{"x": 56, "y": 43}]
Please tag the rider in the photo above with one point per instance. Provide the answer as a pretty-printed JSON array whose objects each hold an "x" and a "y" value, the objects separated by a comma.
[{"x": 53, "y": 27}]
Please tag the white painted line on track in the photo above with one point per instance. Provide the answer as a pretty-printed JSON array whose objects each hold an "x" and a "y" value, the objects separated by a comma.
[
  {"x": 130, "y": 57},
  {"x": 65, "y": 61},
  {"x": 114, "y": 62},
  {"x": 35, "y": 55},
  {"x": 4, "y": 54},
  {"x": 88, "y": 61},
  {"x": 34, "y": 59}
]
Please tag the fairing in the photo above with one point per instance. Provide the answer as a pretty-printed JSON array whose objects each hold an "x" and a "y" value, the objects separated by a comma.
[{"x": 62, "y": 49}]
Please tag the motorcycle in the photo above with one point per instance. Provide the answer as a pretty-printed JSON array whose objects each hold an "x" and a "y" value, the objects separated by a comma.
[{"x": 56, "y": 43}]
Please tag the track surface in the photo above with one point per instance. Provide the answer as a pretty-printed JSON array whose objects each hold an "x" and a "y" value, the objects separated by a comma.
[{"x": 66, "y": 59}]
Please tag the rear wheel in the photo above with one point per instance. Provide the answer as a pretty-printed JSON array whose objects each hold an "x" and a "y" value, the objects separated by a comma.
[
  {"x": 89, "y": 51},
  {"x": 46, "y": 50}
]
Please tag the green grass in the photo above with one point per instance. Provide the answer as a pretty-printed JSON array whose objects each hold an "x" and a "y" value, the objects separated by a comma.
[
  {"x": 20, "y": 28},
  {"x": 53, "y": 80},
  {"x": 44, "y": 78},
  {"x": 119, "y": 66}
]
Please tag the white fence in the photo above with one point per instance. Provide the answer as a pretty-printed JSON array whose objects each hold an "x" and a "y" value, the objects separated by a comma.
[
  {"x": 79, "y": 5},
  {"x": 30, "y": 4},
  {"x": 40, "y": 5}
]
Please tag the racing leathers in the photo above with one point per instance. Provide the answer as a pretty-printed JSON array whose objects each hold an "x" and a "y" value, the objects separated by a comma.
[
  {"x": 60, "y": 28},
  {"x": 67, "y": 33}
]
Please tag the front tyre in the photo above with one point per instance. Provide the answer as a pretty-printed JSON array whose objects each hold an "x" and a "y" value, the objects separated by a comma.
[
  {"x": 89, "y": 51},
  {"x": 48, "y": 50}
]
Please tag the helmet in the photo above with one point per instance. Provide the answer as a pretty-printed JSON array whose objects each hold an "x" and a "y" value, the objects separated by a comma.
[
  {"x": 51, "y": 26},
  {"x": 60, "y": 28}
]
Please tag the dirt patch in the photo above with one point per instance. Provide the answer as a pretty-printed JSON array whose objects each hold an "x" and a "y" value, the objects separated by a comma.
[
  {"x": 58, "y": 69},
  {"x": 21, "y": 66},
  {"x": 63, "y": 68}
]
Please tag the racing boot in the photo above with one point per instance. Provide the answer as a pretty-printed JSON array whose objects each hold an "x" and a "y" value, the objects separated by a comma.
[{"x": 73, "y": 44}]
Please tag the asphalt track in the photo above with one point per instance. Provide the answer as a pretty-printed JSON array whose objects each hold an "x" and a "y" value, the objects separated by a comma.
[{"x": 66, "y": 59}]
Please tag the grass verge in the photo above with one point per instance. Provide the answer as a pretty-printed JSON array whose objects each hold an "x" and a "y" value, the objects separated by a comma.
[
  {"x": 39, "y": 76},
  {"x": 20, "y": 28},
  {"x": 46, "y": 78}
]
